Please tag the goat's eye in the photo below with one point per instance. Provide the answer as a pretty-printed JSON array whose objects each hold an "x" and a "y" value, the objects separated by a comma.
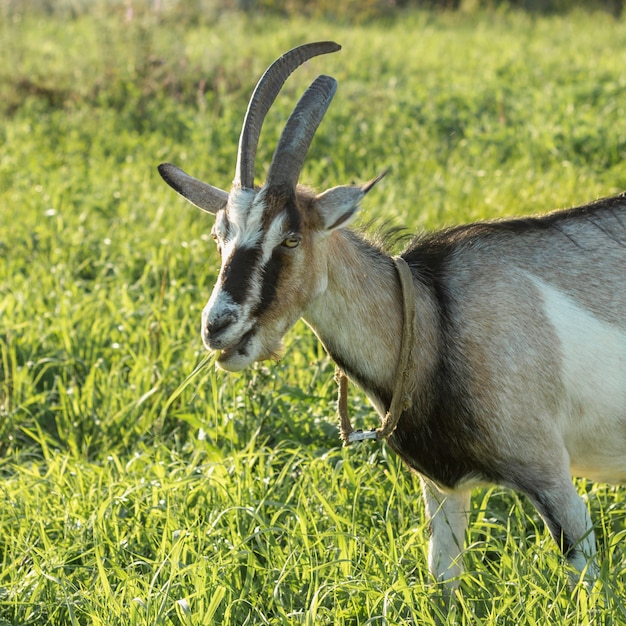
[{"x": 292, "y": 241}]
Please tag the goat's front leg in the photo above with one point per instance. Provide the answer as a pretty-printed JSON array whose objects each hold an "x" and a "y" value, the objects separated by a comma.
[{"x": 448, "y": 515}]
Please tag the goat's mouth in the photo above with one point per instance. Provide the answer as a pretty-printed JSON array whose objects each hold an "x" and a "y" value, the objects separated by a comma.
[
  {"x": 251, "y": 347},
  {"x": 238, "y": 349}
]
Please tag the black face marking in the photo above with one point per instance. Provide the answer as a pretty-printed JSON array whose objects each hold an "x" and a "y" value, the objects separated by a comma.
[
  {"x": 271, "y": 274},
  {"x": 238, "y": 272}
]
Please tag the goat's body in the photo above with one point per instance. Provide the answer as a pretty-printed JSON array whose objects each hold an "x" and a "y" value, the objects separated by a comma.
[
  {"x": 529, "y": 381},
  {"x": 519, "y": 352},
  {"x": 519, "y": 311}
]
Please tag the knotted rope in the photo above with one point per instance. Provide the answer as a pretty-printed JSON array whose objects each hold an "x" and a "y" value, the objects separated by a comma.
[{"x": 404, "y": 385}]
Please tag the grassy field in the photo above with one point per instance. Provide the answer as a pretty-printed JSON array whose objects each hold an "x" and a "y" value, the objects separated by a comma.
[{"x": 138, "y": 485}]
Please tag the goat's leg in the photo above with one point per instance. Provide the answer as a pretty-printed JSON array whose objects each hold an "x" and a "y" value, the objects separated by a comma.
[
  {"x": 568, "y": 520},
  {"x": 448, "y": 515}
]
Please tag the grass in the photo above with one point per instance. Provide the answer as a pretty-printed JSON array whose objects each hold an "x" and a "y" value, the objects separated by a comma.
[{"x": 138, "y": 485}]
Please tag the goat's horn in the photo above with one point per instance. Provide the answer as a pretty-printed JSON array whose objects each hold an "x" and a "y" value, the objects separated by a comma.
[
  {"x": 262, "y": 99},
  {"x": 298, "y": 133}
]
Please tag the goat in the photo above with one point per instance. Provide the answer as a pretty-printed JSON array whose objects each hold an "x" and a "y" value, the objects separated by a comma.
[{"x": 515, "y": 368}]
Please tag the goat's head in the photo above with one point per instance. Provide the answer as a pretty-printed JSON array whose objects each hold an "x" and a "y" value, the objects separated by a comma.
[{"x": 269, "y": 236}]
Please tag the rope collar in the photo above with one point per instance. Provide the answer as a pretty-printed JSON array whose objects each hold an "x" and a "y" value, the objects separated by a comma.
[{"x": 404, "y": 386}]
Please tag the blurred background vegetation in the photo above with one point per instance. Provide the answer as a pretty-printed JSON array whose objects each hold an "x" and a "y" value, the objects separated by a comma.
[{"x": 360, "y": 10}]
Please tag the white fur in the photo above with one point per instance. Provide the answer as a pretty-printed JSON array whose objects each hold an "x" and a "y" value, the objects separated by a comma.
[
  {"x": 273, "y": 237},
  {"x": 593, "y": 372},
  {"x": 448, "y": 514}
]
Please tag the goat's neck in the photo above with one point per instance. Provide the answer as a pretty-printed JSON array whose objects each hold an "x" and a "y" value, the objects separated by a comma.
[{"x": 359, "y": 316}]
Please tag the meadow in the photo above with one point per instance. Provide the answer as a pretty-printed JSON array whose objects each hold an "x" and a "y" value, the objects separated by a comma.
[{"x": 139, "y": 484}]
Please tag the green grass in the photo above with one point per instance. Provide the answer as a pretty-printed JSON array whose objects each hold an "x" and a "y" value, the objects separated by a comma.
[{"x": 138, "y": 485}]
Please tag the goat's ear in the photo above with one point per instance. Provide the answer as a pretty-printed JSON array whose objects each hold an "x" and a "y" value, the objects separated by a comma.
[
  {"x": 204, "y": 196},
  {"x": 339, "y": 205}
]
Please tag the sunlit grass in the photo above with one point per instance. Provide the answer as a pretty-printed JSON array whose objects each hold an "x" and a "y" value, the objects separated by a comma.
[{"x": 138, "y": 485}]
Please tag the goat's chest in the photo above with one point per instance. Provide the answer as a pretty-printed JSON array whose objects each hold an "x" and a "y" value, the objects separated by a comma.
[{"x": 444, "y": 445}]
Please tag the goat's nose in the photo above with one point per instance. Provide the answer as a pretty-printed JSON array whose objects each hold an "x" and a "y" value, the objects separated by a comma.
[
  {"x": 215, "y": 327},
  {"x": 218, "y": 316}
]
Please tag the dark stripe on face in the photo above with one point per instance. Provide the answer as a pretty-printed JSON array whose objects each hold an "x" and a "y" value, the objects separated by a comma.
[
  {"x": 271, "y": 276},
  {"x": 237, "y": 273}
]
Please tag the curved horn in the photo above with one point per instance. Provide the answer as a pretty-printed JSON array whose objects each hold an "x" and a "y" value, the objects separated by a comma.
[
  {"x": 262, "y": 99},
  {"x": 204, "y": 196},
  {"x": 298, "y": 133}
]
